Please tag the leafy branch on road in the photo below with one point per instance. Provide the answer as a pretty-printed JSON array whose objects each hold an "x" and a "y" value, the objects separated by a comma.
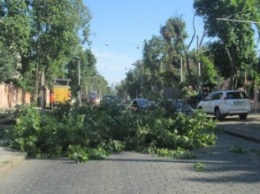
[{"x": 92, "y": 132}]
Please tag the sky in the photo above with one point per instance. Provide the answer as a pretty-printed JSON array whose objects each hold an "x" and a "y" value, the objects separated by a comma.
[{"x": 120, "y": 27}]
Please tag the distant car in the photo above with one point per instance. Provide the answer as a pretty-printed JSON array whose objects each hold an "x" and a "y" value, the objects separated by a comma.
[
  {"x": 226, "y": 102},
  {"x": 110, "y": 98},
  {"x": 183, "y": 107},
  {"x": 93, "y": 98},
  {"x": 140, "y": 104},
  {"x": 175, "y": 106}
]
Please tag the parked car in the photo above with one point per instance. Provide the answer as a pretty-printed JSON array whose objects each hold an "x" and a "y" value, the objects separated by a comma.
[
  {"x": 183, "y": 107},
  {"x": 93, "y": 98},
  {"x": 110, "y": 98},
  {"x": 175, "y": 106},
  {"x": 140, "y": 104},
  {"x": 226, "y": 102}
]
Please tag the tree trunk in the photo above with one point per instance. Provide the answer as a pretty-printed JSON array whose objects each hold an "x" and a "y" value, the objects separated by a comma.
[
  {"x": 187, "y": 62},
  {"x": 187, "y": 59},
  {"x": 233, "y": 69}
]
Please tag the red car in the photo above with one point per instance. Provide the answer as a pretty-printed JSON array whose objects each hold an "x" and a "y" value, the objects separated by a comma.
[{"x": 93, "y": 98}]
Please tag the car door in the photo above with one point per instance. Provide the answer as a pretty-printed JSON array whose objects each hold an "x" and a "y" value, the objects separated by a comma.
[
  {"x": 215, "y": 101},
  {"x": 207, "y": 103}
]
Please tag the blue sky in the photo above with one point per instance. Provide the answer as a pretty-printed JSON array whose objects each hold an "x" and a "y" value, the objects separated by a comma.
[{"x": 119, "y": 28}]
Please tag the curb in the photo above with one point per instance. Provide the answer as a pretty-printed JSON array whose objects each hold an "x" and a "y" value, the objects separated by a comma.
[
  {"x": 249, "y": 135},
  {"x": 10, "y": 159},
  {"x": 242, "y": 136}
]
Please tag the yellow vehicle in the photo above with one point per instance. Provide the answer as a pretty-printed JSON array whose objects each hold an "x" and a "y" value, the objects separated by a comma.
[{"x": 60, "y": 92}]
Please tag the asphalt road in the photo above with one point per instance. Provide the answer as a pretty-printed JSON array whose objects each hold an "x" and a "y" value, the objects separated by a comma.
[
  {"x": 232, "y": 165},
  {"x": 248, "y": 129}
]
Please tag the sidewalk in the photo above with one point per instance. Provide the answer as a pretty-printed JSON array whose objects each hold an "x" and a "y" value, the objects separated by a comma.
[
  {"x": 10, "y": 159},
  {"x": 231, "y": 166}
]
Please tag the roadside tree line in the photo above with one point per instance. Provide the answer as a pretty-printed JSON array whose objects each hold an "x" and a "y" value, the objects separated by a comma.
[
  {"x": 232, "y": 53},
  {"x": 43, "y": 39}
]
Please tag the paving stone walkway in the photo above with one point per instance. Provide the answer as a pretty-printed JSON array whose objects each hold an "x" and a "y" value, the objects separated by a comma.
[{"x": 230, "y": 166}]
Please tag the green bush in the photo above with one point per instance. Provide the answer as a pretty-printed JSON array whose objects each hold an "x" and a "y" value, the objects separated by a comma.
[
  {"x": 181, "y": 131},
  {"x": 6, "y": 114},
  {"x": 78, "y": 154},
  {"x": 90, "y": 132},
  {"x": 25, "y": 133}
]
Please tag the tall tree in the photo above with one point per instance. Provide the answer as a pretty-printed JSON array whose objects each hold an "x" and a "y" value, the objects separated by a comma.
[
  {"x": 55, "y": 29},
  {"x": 14, "y": 36},
  {"x": 235, "y": 36},
  {"x": 160, "y": 67},
  {"x": 14, "y": 23},
  {"x": 151, "y": 69},
  {"x": 135, "y": 84},
  {"x": 175, "y": 35},
  {"x": 83, "y": 68},
  {"x": 45, "y": 34},
  {"x": 8, "y": 64}
]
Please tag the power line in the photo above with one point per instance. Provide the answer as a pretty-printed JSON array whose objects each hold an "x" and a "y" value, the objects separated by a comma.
[
  {"x": 241, "y": 21},
  {"x": 243, "y": 10},
  {"x": 109, "y": 42}
]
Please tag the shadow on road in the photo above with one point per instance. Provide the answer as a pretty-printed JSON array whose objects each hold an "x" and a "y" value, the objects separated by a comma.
[{"x": 231, "y": 160}]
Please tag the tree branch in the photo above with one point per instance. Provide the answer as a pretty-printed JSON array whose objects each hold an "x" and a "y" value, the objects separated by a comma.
[
  {"x": 194, "y": 33},
  {"x": 231, "y": 64},
  {"x": 202, "y": 38}
]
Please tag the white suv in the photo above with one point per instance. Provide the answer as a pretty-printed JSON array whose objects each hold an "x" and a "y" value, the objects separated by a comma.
[{"x": 226, "y": 102}]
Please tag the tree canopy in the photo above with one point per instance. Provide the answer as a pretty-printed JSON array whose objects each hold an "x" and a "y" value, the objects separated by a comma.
[
  {"x": 234, "y": 38},
  {"x": 8, "y": 64},
  {"x": 46, "y": 35},
  {"x": 160, "y": 67}
]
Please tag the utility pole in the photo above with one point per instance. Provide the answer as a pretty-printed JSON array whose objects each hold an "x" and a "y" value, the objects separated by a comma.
[
  {"x": 199, "y": 70},
  {"x": 36, "y": 76},
  {"x": 197, "y": 44},
  {"x": 79, "y": 78},
  {"x": 79, "y": 72},
  {"x": 181, "y": 70},
  {"x": 42, "y": 90}
]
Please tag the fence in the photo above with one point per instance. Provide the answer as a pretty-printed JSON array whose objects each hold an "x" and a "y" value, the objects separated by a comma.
[{"x": 10, "y": 96}]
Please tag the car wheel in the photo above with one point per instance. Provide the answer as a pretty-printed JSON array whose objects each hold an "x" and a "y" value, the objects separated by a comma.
[
  {"x": 218, "y": 114},
  {"x": 243, "y": 116}
]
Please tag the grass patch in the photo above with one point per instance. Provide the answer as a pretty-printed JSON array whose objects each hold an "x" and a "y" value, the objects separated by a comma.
[
  {"x": 199, "y": 167},
  {"x": 237, "y": 149}
]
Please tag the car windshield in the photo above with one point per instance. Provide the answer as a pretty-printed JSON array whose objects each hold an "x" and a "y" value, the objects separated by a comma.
[
  {"x": 178, "y": 103},
  {"x": 93, "y": 95},
  {"x": 109, "y": 98},
  {"x": 143, "y": 102}
]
